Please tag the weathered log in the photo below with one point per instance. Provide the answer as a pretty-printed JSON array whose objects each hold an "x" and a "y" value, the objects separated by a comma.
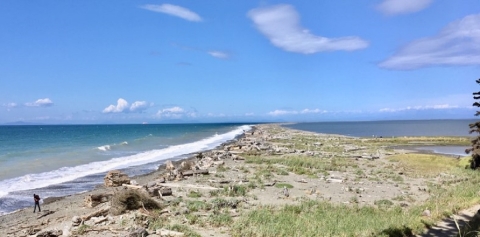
[
  {"x": 46, "y": 213},
  {"x": 164, "y": 191},
  {"x": 177, "y": 185},
  {"x": 100, "y": 212},
  {"x": 93, "y": 200},
  {"x": 132, "y": 186},
  {"x": 192, "y": 172},
  {"x": 165, "y": 232}
]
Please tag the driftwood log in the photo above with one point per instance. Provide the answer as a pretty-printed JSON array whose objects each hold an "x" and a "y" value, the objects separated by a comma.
[
  {"x": 192, "y": 172},
  {"x": 93, "y": 200}
]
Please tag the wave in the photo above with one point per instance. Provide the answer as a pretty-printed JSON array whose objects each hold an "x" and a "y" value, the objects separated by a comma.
[
  {"x": 65, "y": 174},
  {"x": 109, "y": 147},
  {"x": 104, "y": 148}
]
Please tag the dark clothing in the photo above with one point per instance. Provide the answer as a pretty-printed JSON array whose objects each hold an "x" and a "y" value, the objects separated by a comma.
[{"x": 36, "y": 198}]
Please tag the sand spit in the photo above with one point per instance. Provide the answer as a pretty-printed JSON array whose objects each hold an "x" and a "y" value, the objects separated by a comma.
[{"x": 191, "y": 193}]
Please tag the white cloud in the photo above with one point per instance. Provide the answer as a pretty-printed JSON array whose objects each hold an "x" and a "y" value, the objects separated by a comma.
[
  {"x": 394, "y": 7},
  {"x": 175, "y": 113},
  {"x": 457, "y": 44},
  {"x": 292, "y": 112},
  {"x": 427, "y": 107},
  {"x": 281, "y": 25},
  {"x": 312, "y": 111},
  {"x": 120, "y": 107},
  {"x": 123, "y": 106},
  {"x": 218, "y": 54},
  {"x": 139, "y": 106},
  {"x": 174, "y": 10},
  {"x": 40, "y": 103}
]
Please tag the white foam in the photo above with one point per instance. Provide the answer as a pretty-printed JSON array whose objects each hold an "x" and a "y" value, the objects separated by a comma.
[
  {"x": 65, "y": 174},
  {"x": 104, "y": 148}
]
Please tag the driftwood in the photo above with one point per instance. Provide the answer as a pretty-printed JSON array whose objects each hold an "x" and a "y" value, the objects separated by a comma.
[
  {"x": 100, "y": 212},
  {"x": 270, "y": 184},
  {"x": 164, "y": 191},
  {"x": 93, "y": 200},
  {"x": 334, "y": 180},
  {"x": 165, "y": 232},
  {"x": 176, "y": 185},
  {"x": 192, "y": 172},
  {"x": 45, "y": 214},
  {"x": 219, "y": 181},
  {"x": 132, "y": 186}
]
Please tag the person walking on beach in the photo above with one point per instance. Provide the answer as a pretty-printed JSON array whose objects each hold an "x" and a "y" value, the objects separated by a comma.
[{"x": 36, "y": 198}]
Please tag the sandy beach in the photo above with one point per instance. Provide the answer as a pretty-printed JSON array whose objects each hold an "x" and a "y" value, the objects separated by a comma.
[{"x": 232, "y": 181}]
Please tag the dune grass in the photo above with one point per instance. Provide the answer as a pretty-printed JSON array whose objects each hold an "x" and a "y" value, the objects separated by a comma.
[{"x": 451, "y": 189}]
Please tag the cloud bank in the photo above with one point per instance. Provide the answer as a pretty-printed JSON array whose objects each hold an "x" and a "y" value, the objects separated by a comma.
[
  {"x": 281, "y": 25},
  {"x": 279, "y": 112},
  {"x": 174, "y": 113},
  {"x": 457, "y": 44},
  {"x": 40, "y": 103},
  {"x": 428, "y": 107},
  {"x": 122, "y": 106},
  {"x": 395, "y": 7},
  {"x": 174, "y": 10}
]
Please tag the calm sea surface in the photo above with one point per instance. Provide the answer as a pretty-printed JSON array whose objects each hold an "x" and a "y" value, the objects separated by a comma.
[
  {"x": 59, "y": 160},
  {"x": 389, "y": 128}
]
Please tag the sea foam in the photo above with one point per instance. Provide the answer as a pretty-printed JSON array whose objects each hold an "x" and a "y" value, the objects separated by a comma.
[{"x": 65, "y": 174}]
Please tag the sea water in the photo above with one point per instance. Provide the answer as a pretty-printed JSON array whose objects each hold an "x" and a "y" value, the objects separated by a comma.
[
  {"x": 60, "y": 160},
  {"x": 389, "y": 128},
  {"x": 398, "y": 128}
]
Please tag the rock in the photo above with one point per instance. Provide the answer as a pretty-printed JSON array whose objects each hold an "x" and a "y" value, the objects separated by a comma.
[
  {"x": 140, "y": 232},
  {"x": 115, "y": 178},
  {"x": 426, "y": 213},
  {"x": 169, "y": 165},
  {"x": 32, "y": 230},
  {"x": 76, "y": 220},
  {"x": 50, "y": 233}
]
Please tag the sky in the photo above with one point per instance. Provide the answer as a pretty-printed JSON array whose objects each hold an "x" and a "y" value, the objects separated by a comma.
[{"x": 96, "y": 62}]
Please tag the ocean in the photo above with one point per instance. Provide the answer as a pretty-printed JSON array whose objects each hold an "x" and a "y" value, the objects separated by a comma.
[
  {"x": 397, "y": 128},
  {"x": 60, "y": 160},
  {"x": 390, "y": 128}
]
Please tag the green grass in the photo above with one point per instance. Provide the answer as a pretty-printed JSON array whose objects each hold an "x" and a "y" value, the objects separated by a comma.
[
  {"x": 314, "y": 218},
  {"x": 283, "y": 185},
  {"x": 193, "y": 194}
]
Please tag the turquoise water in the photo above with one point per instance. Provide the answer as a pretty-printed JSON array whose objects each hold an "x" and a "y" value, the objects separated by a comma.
[{"x": 59, "y": 160}]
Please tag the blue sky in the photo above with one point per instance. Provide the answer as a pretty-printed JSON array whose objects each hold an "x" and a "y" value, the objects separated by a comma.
[{"x": 222, "y": 61}]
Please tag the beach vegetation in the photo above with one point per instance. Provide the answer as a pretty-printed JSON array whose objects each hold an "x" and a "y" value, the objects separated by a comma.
[
  {"x": 194, "y": 206},
  {"x": 220, "y": 219},
  {"x": 235, "y": 190},
  {"x": 186, "y": 230},
  {"x": 82, "y": 229},
  {"x": 283, "y": 185},
  {"x": 194, "y": 194}
]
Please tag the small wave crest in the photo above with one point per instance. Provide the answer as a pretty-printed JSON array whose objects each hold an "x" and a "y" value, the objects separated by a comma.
[{"x": 104, "y": 148}]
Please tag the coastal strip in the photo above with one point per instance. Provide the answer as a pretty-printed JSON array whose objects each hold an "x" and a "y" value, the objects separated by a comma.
[{"x": 216, "y": 192}]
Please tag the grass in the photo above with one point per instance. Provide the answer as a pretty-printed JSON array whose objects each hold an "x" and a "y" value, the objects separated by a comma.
[
  {"x": 332, "y": 220},
  {"x": 424, "y": 165},
  {"x": 451, "y": 189},
  {"x": 283, "y": 185}
]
